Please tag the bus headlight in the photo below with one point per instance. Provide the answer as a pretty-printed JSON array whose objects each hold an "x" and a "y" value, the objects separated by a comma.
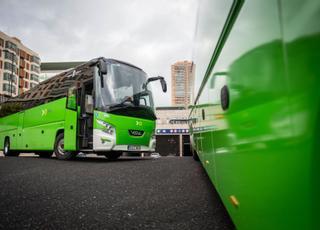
[{"x": 109, "y": 129}]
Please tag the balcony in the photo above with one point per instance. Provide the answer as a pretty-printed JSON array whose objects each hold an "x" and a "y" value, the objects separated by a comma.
[{"x": 11, "y": 46}]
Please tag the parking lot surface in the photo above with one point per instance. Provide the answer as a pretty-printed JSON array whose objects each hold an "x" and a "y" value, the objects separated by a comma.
[{"x": 94, "y": 193}]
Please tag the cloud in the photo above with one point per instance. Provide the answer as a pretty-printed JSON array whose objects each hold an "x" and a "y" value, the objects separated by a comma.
[{"x": 151, "y": 34}]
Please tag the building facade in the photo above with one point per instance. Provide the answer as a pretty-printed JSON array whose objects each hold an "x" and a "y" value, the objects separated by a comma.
[
  {"x": 182, "y": 79},
  {"x": 172, "y": 131},
  {"x": 19, "y": 67}
]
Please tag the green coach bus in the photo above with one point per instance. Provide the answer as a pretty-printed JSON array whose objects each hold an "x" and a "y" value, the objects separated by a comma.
[
  {"x": 103, "y": 106},
  {"x": 255, "y": 120}
]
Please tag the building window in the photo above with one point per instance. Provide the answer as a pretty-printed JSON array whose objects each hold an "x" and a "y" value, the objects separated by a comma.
[
  {"x": 0, "y": 64},
  {"x": 6, "y": 88},
  {"x": 35, "y": 68},
  {"x": 10, "y": 56},
  {"x": 11, "y": 46},
  {"x": 21, "y": 53},
  {"x": 9, "y": 66},
  {"x": 35, "y": 59},
  {"x": 34, "y": 77},
  {"x": 7, "y": 77},
  {"x": 26, "y": 84}
]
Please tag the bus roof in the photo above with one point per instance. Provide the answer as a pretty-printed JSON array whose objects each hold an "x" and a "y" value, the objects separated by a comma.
[{"x": 58, "y": 85}]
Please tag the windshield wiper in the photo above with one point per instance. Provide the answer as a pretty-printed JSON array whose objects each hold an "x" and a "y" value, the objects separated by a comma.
[{"x": 121, "y": 104}]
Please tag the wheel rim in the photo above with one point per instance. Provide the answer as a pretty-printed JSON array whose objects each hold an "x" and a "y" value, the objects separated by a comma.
[{"x": 61, "y": 147}]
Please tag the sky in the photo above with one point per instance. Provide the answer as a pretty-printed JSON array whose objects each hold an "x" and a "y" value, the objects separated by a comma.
[{"x": 151, "y": 34}]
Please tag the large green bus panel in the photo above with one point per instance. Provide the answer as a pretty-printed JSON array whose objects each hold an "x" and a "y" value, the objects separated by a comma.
[{"x": 262, "y": 153}]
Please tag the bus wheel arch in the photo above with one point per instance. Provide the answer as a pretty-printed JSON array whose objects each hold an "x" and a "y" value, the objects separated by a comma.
[
  {"x": 6, "y": 145},
  {"x": 6, "y": 148},
  {"x": 59, "y": 151},
  {"x": 59, "y": 131}
]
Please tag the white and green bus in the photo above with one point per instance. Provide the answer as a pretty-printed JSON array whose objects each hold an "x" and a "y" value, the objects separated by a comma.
[{"x": 103, "y": 106}]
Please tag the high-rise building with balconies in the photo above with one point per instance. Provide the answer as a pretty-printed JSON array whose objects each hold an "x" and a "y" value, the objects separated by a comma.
[
  {"x": 182, "y": 80},
  {"x": 19, "y": 67}
]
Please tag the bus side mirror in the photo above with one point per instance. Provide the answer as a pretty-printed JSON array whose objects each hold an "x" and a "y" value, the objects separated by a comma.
[
  {"x": 163, "y": 85},
  {"x": 162, "y": 81}
]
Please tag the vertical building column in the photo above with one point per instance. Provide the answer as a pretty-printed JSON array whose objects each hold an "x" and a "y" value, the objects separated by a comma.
[{"x": 180, "y": 145}]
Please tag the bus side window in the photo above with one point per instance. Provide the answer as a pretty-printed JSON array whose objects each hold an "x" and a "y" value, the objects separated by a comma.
[
  {"x": 143, "y": 101},
  {"x": 71, "y": 99}
]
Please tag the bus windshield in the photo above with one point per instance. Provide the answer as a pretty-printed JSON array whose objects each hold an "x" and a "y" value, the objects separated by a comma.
[{"x": 123, "y": 87}]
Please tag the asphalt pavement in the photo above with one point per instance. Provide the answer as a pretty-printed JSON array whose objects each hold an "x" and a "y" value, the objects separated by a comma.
[{"x": 94, "y": 193}]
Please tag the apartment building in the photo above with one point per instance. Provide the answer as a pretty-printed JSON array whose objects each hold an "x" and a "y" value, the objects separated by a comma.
[
  {"x": 182, "y": 79},
  {"x": 19, "y": 67}
]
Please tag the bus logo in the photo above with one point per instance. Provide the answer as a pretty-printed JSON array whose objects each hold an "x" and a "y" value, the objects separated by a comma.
[
  {"x": 138, "y": 123},
  {"x": 136, "y": 133},
  {"x": 44, "y": 112}
]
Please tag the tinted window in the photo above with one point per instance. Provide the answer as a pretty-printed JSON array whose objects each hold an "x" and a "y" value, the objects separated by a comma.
[{"x": 47, "y": 91}]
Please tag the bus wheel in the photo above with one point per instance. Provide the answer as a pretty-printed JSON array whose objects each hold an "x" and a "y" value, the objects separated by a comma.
[
  {"x": 113, "y": 155},
  {"x": 45, "y": 154},
  {"x": 195, "y": 155},
  {"x": 6, "y": 149},
  {"x": 59, "y": 151}
]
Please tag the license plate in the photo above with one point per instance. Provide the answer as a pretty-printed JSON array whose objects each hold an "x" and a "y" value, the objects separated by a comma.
[{"x": 134, "y": 147}]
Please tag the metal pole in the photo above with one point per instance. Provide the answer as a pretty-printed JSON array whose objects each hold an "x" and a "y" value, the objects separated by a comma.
[{"x": 180, "y": 145}]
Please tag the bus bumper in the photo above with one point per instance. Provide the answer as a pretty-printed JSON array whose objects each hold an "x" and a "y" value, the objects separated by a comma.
[{"x": 103, "y": 142}]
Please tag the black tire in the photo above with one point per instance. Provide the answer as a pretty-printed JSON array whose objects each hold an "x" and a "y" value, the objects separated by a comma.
[
  {"x": 59, "y": 151},
  {"x": 113, "y": 155},
  {"x": 195, "y": 155},
  {"x": 6, "y": 149},
  {"x": 46, "y": 154}
]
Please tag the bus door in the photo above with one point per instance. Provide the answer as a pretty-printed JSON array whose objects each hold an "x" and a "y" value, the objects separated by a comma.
[
  {"x": 19, "y": 134},
  {"x": 86, "y": 115},
  {"x": 71, "y": 117}
]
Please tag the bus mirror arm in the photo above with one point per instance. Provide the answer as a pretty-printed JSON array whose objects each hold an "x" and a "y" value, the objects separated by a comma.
[{"x": 163, "y": 82}]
